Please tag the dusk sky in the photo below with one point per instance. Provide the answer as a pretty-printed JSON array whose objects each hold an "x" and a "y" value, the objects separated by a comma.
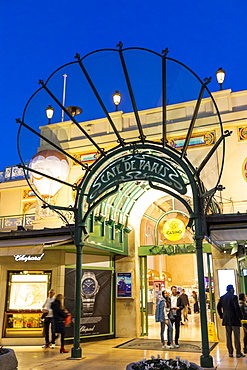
[{"x": 40, "y": 36}]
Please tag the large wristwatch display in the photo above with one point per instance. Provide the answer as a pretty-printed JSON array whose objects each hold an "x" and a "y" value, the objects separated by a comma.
[{"x": 89, "y": 289}]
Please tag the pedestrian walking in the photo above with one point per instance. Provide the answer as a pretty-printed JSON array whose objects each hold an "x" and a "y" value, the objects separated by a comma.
[
  {"x": 243, "y": 309},
  {"x": 163, "y": 307},
  {"x": 59, "y": 315},
  {"x": 196, "y": 304},
  {"x": 229, "y": 311},
  {"x": 175, "y": 313},
  {"x": 185, "y": 302},
  {"x": 48, "y": 322}
]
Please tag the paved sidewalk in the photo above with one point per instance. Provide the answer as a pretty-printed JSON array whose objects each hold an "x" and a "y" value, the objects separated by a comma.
[{"x": 103, "y": 356}]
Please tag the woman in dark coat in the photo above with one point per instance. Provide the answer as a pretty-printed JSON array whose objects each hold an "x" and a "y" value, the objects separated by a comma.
[{"x": 59, "y": 314}]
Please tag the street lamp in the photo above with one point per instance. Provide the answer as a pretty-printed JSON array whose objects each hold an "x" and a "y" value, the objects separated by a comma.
[
  {"x": 220, "y": 75},
  {"x": 116, "y": 99},
  {"x": 74, "y": 111},
  {"x": 49, "y": 113}
]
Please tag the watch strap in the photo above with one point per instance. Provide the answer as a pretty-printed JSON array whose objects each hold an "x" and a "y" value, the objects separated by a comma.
[{"x": 88, "y": 306}]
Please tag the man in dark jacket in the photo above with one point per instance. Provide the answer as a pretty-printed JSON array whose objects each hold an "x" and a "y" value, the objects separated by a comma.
[
  {"x": 176, "y": 308},
  {"x": 231, "y": 316},
  {"x": 186, "y": 303}
]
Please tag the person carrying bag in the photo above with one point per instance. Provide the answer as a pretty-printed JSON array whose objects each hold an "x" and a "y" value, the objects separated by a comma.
[
  {"x": 59, "y": 315},
  {"x": 162, "y": 315}
]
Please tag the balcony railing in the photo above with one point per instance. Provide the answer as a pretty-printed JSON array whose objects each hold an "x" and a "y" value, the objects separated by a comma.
[
  {"x": 16, "y": 220},
  {"x": 11, "y": 173}
]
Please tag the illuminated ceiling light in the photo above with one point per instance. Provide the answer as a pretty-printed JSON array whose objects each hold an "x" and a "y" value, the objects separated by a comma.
[
  {"x": 49, "y": 113},
  {"x": 116, "y": 99},
  {"x": 127, "y": 229},
  {"x": 220, "y": 75}
]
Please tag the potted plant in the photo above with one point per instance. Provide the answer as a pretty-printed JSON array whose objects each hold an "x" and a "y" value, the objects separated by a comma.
[
  {"x": 8, "y": 360},
  {"x": 162, "y": 364}
]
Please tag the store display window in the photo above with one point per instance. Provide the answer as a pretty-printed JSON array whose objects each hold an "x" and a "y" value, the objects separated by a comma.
[{"x": 26, "y": 293}]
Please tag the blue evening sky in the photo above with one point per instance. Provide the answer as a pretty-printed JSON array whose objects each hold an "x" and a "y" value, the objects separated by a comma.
[{"x": 39, "y": 36}]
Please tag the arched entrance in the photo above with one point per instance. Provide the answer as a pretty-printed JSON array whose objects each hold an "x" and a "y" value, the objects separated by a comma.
[
  {"x": 162, "y": 169},
  {"x": 152, "y": 150}
]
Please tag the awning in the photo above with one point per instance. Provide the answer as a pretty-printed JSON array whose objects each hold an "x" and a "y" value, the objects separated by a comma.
[
  {"x": 11, "y": 247},
  {"x": 228, "y": 233}
]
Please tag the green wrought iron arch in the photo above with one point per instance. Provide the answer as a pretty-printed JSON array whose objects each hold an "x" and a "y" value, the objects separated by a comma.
[{"x": 109, "y": 158}]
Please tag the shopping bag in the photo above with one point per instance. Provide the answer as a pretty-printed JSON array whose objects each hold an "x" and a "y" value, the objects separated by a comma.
[{"x": 68, "y": 320}]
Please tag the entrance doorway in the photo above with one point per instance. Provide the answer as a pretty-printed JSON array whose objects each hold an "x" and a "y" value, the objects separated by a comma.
[{"x": 164, "y": 271}]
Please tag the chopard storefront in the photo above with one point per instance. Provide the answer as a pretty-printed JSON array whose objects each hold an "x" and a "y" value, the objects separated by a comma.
[{"x": 26, "y": 279}]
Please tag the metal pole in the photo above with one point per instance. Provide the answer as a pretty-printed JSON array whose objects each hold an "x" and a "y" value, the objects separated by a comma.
[
  {"x": 76, "y": 351},
  {"x": 64, "y": 93},
  {"x": 205, "y": 359},
  {"x": 164, "y": 141}
]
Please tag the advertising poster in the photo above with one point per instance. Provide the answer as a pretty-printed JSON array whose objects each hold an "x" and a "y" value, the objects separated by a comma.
[
  {"x": 27, "y": 292},
  {"x": 95, "y": 301},
  {"x": 124, "y": 285}
]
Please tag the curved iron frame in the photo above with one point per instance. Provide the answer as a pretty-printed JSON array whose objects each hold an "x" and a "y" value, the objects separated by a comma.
[{"x": 196, "y": 215}]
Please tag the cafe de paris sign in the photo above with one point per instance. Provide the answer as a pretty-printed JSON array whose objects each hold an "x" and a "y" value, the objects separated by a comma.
[{"x": 136, "y": 167}]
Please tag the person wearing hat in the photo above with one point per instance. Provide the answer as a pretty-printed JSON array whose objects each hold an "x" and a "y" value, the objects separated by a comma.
[{"x": 229, "y": 311}]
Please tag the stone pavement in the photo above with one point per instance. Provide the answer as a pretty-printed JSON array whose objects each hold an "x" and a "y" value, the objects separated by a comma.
[{"x": 102, "y": 355}]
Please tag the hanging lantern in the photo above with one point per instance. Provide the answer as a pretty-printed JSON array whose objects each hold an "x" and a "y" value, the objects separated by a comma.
[{"x": 51, "y": 163}]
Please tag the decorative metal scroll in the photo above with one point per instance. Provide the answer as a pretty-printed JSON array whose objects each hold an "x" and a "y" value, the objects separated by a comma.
[{"x": 136, "y": 167}]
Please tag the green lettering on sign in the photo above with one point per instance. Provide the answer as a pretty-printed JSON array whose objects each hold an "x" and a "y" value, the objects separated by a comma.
[{"x": 136, "y": 167}]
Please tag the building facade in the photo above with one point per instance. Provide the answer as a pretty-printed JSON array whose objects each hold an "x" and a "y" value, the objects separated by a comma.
[{"x": 137, "y": 243}]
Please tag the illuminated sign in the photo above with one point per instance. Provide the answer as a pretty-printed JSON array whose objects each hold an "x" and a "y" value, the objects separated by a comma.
[
  {"x": 174, "y": 229},
  {"x": 173, "y": 249},
  {"x": 136, "y": 167},
  {"x": 25, "y": 258}
]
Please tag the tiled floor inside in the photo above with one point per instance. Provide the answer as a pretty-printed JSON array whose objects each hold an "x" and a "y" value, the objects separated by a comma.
[{"x": 103, "y": 355}]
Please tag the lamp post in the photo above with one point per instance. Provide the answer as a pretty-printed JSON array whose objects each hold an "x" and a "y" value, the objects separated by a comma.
[
  {"x": 49, "y": 113},
  {"x": 220, "y": 75},
  {"x": 116, "y": 99}
]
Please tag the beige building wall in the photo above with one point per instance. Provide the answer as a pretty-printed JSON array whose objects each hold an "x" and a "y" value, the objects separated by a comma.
[
  {"x": 182, "y": 269},
  {"x": 233, "y": 199}
]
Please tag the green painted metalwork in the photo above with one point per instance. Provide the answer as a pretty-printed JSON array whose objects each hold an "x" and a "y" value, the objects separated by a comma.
[
  {"x": 90, "y": 198},
  {"x": 143, "y": 296},
  {"x": 197, "y": 210},
  {"x": 136, "y": 167}
]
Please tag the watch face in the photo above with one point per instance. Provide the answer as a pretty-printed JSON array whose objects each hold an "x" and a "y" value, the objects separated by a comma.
[{"x": 88, "y": 286}]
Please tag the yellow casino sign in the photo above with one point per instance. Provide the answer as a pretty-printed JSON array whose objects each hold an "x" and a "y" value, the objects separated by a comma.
[{"x": 174, "y": 229}]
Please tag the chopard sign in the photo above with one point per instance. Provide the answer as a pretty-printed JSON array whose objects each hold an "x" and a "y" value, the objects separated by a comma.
[
  {"x": 137, "y": 167},
  {"x": 25, "y": 258}
]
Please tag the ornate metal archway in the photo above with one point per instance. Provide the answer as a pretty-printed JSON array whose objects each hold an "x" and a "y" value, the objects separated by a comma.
[{"x": 141, "y": 157}]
